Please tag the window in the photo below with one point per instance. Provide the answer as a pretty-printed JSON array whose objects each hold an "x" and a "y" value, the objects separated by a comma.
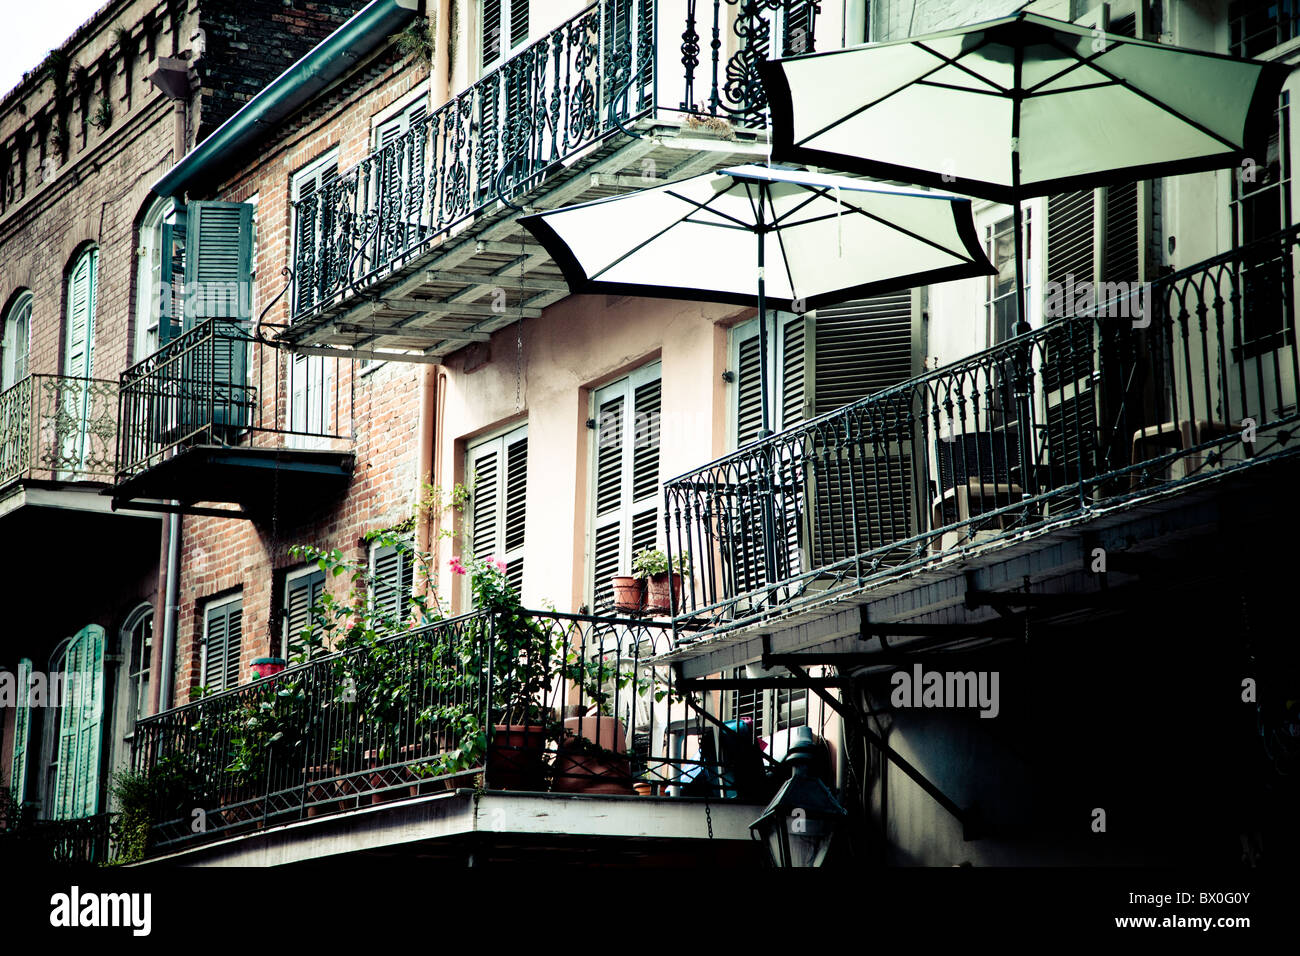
[
  {"x": 1001, "y": 306},
  {"x": 307, "y": 385},
  {"x": 14, "y": 341},
  {"x": 312, "y": 222},
  {"x": 78, "y": 358},
  {"x": 1261, "y": 207},
  {"x": 625, "y": 479},
  {"x": 149, "y": 280},
  {"x": 392, "y": 579},
  {"x": 302, "y": 589},
  {"x": 223, "y": 632},
  {"x": 132, "y": 699},
  {"x": 76, "y": 776},
  {"x": 503, "y": 20},
  {"x": 1257, "y": 26},
  {"x": 770, "y": 711},
  {"x": 498, "y": 475}
]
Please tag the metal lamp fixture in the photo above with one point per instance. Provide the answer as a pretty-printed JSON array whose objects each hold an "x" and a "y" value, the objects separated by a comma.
[{"x": 798, "y": 824}]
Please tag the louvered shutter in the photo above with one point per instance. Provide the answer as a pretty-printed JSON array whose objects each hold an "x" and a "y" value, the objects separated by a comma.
[
  {"x": 312, "y": 228},
  {"x": 518, "y": 22},
  {"x": 498, "y": 501},
  {"x": 78, "y": 359},
  {"x": 862, "y": 348},
  {"x": 491, "y": 33},
  {"x": 223, "y": 644},
  {"x": 797, "y": 28},
  {"x": 81, "y": 724},
  {"x": 22, "y": 735},
  {"x": 626, "y": 481},
  {"x": 301, "y": 594},
  {"x": 392, "y": 580},
  {"x": 218, "y": 259}
]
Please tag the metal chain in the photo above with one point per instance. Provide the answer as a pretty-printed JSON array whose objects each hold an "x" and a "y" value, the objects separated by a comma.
[{"x": 519, "y": 326}]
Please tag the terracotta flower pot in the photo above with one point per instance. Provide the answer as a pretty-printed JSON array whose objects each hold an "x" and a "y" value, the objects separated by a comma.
[
  {"x": 643, "y": 788},
  {"x": 268, "y": 666},
  {"x": 586, "y": 771},
  {"x": 658, "y": 593},
  {"x": 629, "y": 593},
  {"x": 515, "y": 757}
]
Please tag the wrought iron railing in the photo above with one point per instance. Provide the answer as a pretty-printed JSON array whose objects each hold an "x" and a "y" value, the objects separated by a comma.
[
  {"x": 58, "y": 428},
  {"x": 211, "y": 385},
  {"x": 586, "y": 80},
  {"x": 79, "y": 842},
  {"x": 438, "y": 707},
  {"x": 1148, "y": 387}
]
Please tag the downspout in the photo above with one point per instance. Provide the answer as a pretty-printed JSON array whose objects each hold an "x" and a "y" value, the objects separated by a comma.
[{"x": 427, "y": 469}]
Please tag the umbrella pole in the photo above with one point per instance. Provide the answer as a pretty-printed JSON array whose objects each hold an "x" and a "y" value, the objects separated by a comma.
[{"x": 1024, "y": 374}]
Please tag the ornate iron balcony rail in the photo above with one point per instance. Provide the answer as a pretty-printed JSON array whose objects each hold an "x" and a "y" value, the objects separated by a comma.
[
  {"x": 1139, "y": 389},
  {"x": 80, "y": 842},
  {"x": 424, "y": 711},
  {"x": 210, "y": 386},
  {"x": 57, "y": 428},
  {"x": 586, "y": 80}
]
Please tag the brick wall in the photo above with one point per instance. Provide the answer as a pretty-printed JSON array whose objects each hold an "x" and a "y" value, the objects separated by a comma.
[{"x": 220, "y": 556}]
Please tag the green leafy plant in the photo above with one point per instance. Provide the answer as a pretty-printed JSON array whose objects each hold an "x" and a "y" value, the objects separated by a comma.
[
  {"x": 652, "y": 562},
  {"x": 103, "y": 117}
]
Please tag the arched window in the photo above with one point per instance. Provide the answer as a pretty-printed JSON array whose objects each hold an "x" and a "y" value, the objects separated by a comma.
[
  {"x": 131, "y": 701},
  {"x": 149, "y": 279},
  {"x": 14, "y": 339}
]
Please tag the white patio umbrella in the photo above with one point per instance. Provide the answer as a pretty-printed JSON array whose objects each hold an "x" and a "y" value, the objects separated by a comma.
[
  {"x": 752, "y": 235},
  {"x": 1019, "y": 107}
]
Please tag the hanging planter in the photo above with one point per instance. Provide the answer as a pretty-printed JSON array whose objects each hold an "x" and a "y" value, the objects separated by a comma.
[{"x": 268, "y": 666}]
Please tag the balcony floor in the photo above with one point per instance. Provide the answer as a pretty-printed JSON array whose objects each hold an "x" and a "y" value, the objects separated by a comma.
[
  {"x": 286, "y": 480},
  {"x": 502, "y": 826}
]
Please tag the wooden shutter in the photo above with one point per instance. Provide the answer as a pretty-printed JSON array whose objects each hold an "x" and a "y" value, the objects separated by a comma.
[
  {"x": 218, "y": 261},
  {"x": 626, "y": 478},
  {"x": 222, "y": 644},
  {"x": 392, "y": 576},
  {"x": 490, "y": 34},
  {"x": 518, "y": 22},
  {"x": 498, "y": 501},
  {"x": 861, "y": 348},
  {"x": 300, "y": 596},
  {"x": 22, "y": 736},
  {"x": 312, "y": 226},
  {"x": 78, "y": 358},
  {"x": 81, "y": 724}
]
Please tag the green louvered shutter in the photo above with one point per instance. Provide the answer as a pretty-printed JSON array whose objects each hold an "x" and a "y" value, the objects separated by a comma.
[
  {"x": 81, "y": 724},
  {"x": 301, "y": 595},
  {"x": 218, "y": 260},
  {"x": 171, "y": 305},
  {"x": 222, "y": 644},
  {"x": 78, "y": 358},
  {"x": 392, "y": 576},
  {"x": 22, "y": 736}
]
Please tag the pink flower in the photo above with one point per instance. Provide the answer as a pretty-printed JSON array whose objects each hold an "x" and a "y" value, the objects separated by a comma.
[
  {"x": 498, "y": 564},
  {"x": 456, "y": 566}
]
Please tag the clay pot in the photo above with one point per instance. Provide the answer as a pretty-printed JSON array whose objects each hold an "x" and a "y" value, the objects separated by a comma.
[
  {"x": 629, "y": 594},
  {"x": 515, "y": 757},
  {"x": 585, "y": 771},
  {"x": 658, "y": 593},
  {"x": 643, "y": 788}
]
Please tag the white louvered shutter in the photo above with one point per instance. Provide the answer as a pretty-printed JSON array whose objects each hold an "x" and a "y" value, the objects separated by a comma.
[
  {"x": 626, "y": 478},
  {"x": 498, "y": 470},
  {"x": 81, "y": 725}
]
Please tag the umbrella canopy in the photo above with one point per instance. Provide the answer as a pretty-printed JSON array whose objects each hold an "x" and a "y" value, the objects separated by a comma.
[
  {"x": 823, "y": 238},
  {"x": 1018, "y": 107}
]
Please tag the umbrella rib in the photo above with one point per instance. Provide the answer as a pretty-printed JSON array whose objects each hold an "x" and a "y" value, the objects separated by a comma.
[
  {"x": 704, "y": 207},
  {"x": 1080, "y": 61},
  {"x": 1155, "y": 102},
  {"x": 778, "y": 220},
  {"x": 885, "y": 222},
  {"x": 649, "y": 239},
  {"x": 945, "y": 61}
]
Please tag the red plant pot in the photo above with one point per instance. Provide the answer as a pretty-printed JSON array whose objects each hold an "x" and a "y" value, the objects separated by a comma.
[
  {"x": 629, "y": 593},
  {"x": 268, "y": 666},
  {"x": 662, "y": 589}
]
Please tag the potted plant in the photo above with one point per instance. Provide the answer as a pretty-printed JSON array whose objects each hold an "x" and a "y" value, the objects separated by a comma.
[
  {"x": 663, "y": 578},
  {"x": 268, "y": 666},
  {"x": 516, "y": 652},
  {"x": 629, "y": 593}
]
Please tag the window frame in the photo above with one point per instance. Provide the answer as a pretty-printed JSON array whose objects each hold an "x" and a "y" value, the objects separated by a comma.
[
  {"x": 150, "y": 279},
  {"x": 18, "y": 316}
]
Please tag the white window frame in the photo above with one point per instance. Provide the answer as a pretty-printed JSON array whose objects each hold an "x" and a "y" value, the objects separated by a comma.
[
  {"x": 149, "y": 279},
  {"x": 306, "y": 411},
  {"x": 507, "y": 49},
  {"x": 20, "y": 314}
]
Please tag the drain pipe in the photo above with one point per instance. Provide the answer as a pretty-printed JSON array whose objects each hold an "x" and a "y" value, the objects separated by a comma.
[{"x": 173, "y": 78}]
